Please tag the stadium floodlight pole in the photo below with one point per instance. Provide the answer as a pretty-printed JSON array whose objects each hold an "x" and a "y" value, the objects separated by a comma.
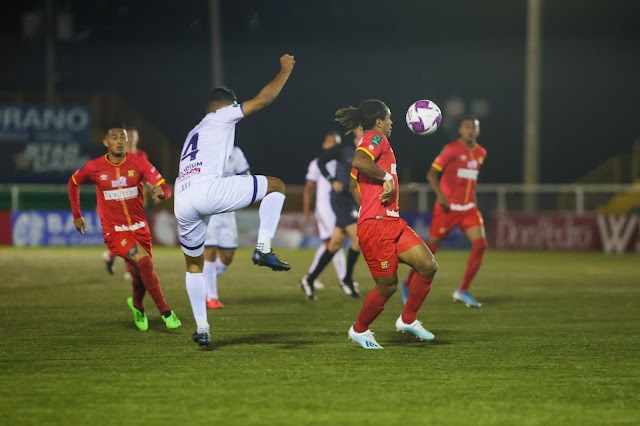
[
  {"x": 216, "y": 43},
  {"x": 532, "y": 100},
  {"x": 50, "y": 51}
]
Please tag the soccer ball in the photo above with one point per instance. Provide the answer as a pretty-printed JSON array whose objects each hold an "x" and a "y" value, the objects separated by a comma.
[{"x": 424, "y": 117}]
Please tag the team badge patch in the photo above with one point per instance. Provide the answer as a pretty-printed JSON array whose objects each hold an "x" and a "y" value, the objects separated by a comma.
[
  {"x": 131, "y": 173},
  {"x": 123, "y": 242},
  {"x": 376, "y": 140},
  {"x": 384, "y": 264}
]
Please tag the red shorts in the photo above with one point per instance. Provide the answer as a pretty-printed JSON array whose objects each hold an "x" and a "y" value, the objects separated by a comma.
[
  {"x": 382, "y": 240},
  {"x": 443, "y": 222},
  {"x": 120, "y": 243}
]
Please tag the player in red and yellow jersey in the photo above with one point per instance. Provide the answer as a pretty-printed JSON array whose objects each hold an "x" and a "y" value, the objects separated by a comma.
[
  {"x": 385, "y": 238},
  {"x": 133, "y": 137},
  {"x": 119, "y": 179},
  {"x": 459, "y": 162}
]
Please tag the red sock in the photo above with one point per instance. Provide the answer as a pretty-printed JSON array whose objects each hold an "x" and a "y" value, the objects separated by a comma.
[
  {"x": 138, "y": 292},
  {"x": 433, "y": 247},
  {"x": 151, "y": 283},
  {"x": 409, "y": 277},
  {"x": 371, "y": 308},
  {"x": 473, "y": 264},
  {"x": 419, "y": 287}
]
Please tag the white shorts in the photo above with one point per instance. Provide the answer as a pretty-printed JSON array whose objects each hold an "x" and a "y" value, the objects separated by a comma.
[
  {"x": 326, "y": 220},
  {"x": 222, "y": 231},
  {"x": 195, "y": 205}
]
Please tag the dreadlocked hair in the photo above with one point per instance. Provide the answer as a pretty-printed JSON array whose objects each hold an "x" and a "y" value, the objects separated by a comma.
[{"x": 365, "y": 115}]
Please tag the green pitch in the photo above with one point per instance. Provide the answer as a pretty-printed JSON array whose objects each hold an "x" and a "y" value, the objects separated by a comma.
[{"x": 557, "y": 341}]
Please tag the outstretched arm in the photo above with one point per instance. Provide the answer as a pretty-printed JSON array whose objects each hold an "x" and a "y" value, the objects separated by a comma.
[{"x": 271, "y": 91}]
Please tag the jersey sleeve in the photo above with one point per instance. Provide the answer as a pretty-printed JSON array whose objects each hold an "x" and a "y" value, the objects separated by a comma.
[
  {"x": 313, "y": 171},
  {"x": 354, "y": 173},
  {"x": 373, "y": 145},
  {"x": 230, "y": 114},
  {"x": 73, "y": 188},
  {"x": 445, "y": 157},
  {"x": 242, "y": 165},
  {"x": 149, "y": 172}
]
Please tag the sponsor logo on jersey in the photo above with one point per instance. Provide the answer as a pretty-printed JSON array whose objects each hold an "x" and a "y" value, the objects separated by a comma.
[
  {"x": 120, "y": 182},
  {"x": 371, "y": 147},
  {"x": 394, "y": 169},
  {"x": 121, "y": 194},
  {"x": 135, "y": 226},
  {"x": 131, "y": 173},
  {"x": 376, "y": 140},
  {"x": 384, "y": 264},
  {"x": 393, "y": 213},
  {"x": 104, "y": 177},
  {"x": 468, "y": 174},
  {"x": 472, "y": 164}
]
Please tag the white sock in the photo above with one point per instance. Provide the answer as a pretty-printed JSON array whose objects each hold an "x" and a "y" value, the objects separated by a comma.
[
  {"x": 270, "y": 209},
  {"x": 220, "y": 267},
  {"x": 211, "y": 279},
  {"x": 198, "y": 298},
  {"x": 340, "y": 264},
  {"x": 316, "y": 258}
]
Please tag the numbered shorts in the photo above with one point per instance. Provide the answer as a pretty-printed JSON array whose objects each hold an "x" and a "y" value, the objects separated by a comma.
[
  {"x": 222, "y": 231},
  {"x": 381, "y": 241},
  {"x": 194, "y": 206},
  {"x": 326, "y": 220},
  {"x": 443, "y": 222},
  {"x": 119, "y": 243},
  {"x": 345, "y": 209}
]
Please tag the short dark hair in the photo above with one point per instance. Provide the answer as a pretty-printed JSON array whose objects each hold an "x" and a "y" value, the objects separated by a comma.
[
  {"x": 468, "y": 117},
  {"x": 110, "y": 126},
  {"x": 221, "y": 94}
]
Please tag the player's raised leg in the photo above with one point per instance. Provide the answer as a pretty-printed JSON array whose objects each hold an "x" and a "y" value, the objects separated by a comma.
[{"x": 270, "y": 211}]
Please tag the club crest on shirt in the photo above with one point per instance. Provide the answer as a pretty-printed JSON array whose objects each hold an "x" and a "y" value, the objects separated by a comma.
[
  {"x": 131, "y": 173},
  {"x": 123, "y": 242},
  {"x": 384, "y": 264},
  {"x": 376, "y": 140}
]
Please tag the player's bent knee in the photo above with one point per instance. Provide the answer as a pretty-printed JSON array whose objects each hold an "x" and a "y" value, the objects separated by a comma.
[
  {"x": 274, "y": 184},
  {"x": 427, "y": 268},
  {"x": 480, "y": 244}
]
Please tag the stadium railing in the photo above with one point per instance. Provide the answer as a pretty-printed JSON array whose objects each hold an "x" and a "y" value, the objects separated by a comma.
[{"x": 418, "y": 197}]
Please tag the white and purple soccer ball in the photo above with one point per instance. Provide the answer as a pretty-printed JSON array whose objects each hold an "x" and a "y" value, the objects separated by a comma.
[{"x": 424, "y": 117}]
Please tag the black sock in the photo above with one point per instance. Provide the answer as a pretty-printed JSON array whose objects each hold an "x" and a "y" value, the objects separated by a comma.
[
  {"x": 322, "y": 263},
  {"x": 166, "y": 314},
  {"x": 352, "y": 257}
]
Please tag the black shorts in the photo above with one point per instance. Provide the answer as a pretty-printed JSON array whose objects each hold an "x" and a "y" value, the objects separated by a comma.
[{"x": 345, "y": 209}]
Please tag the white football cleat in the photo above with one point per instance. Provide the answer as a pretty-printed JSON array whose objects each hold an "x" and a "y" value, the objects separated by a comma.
[
  {"x": 415, "y": 328},
  {"x": 365, "y": 339}
]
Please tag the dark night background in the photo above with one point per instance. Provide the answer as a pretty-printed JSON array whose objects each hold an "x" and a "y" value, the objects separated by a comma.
[{"x": 156, "y": 55}]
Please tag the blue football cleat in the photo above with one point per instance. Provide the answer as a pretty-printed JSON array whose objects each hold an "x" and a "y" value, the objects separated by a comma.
[
  {"x": 202, "y": 339},
  {"x": 466, "y": 298},
  {"x": 270, "y": 260},
  {"x": 404, "y": 292}
]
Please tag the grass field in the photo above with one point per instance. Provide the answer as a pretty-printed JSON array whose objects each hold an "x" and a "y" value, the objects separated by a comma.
[{"x": 557, "y": 342}]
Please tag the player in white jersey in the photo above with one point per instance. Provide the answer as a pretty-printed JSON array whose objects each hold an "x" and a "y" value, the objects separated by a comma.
[
  {"x": 201, "y": 190},
  {"x": 222, "y": 235},
  {"x": 325, "y": 217}
]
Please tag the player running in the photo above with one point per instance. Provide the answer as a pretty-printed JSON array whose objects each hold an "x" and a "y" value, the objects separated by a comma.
[
  {"x": 201, "y": 190},
  {"x": 385, "y": 238},
  {"x": 119, "y": 178},
  {"x": 459, "y": 162}
]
